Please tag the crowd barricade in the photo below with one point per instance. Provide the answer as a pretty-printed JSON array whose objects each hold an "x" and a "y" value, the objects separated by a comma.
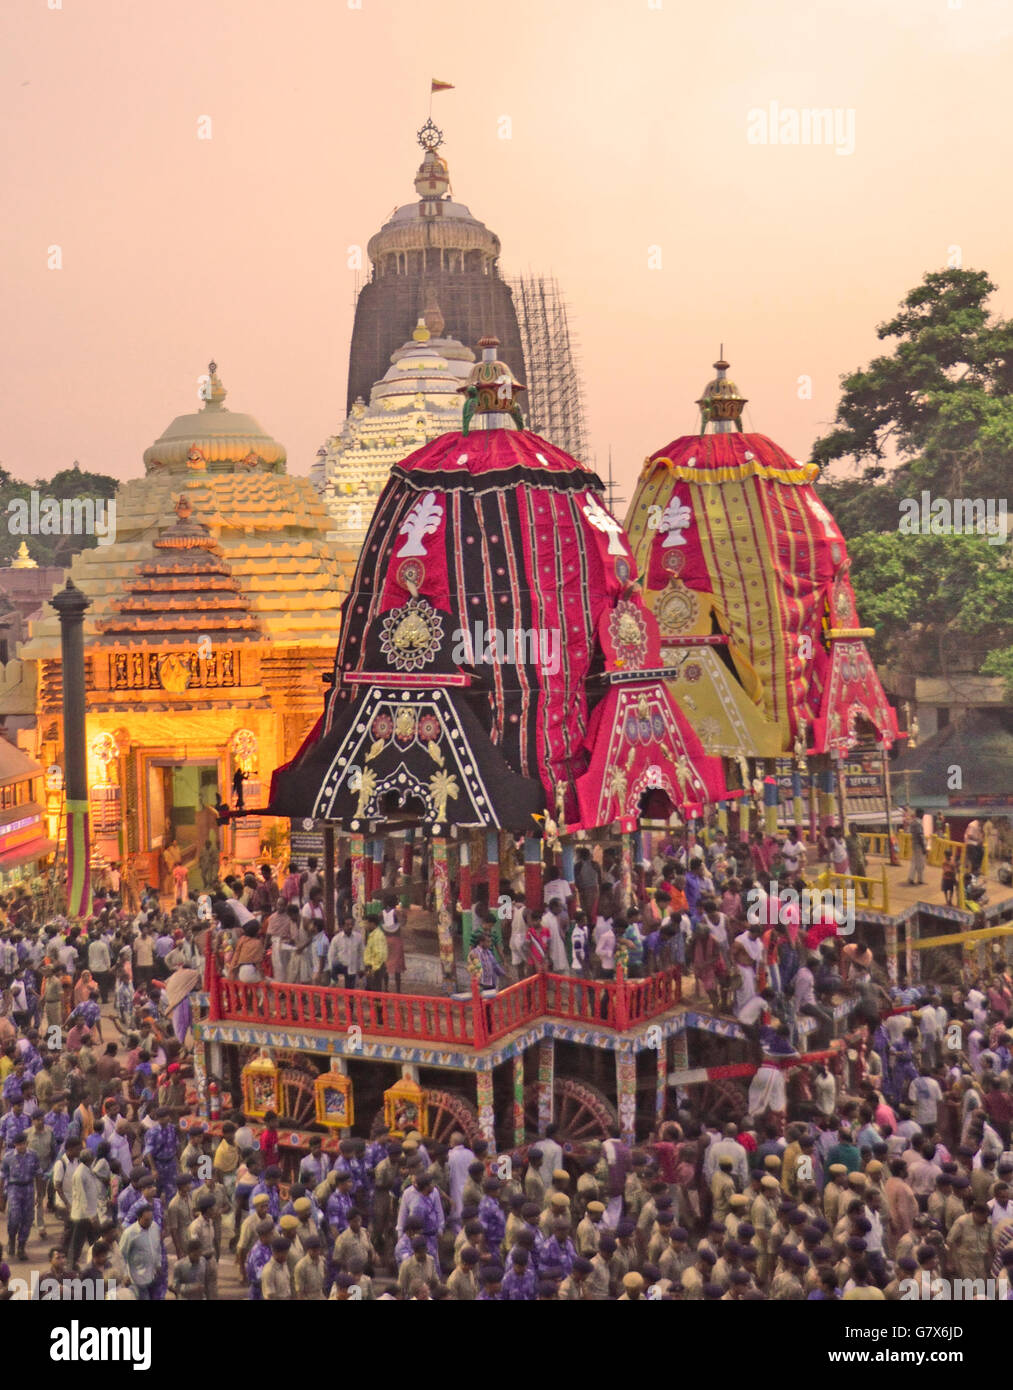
[{"x": 870, "y": 894}]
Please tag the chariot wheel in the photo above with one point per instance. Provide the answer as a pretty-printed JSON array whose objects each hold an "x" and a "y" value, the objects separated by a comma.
[
  {"x": 297, "y": 1085},
  {"x": 447, "y": 1112},
  {"x": 720, "y": 1101},
  {"x": 298, "y": 1097},
  {"x": 580, "y": 1111}
]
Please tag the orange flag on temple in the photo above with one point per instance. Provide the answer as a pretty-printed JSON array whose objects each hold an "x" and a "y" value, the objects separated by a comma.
[{"x": 438, "y": 86}]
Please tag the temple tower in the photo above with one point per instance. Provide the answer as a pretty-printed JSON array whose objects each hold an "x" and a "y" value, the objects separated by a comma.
[{"x": 430, "y": 249}]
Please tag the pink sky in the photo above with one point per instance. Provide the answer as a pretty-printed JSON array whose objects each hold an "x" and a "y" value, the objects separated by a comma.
[{"x": 629, "y": 130}]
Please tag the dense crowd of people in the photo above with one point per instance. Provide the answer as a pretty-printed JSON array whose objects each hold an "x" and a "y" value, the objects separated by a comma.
[{"x": 878, "y": 1169}]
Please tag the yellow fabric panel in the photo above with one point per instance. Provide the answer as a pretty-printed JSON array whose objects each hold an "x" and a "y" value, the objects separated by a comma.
[
  {"x": 805, "y": 473},
  {"x": 722, "y": 715},
  {"x": 733, "y": 536},
  {"x": 654, "y": 491}
]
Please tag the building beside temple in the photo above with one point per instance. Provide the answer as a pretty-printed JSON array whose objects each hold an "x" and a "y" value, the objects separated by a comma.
[
  {"x": 213, "y": 620},
  {"x": 26, "y": 838},
  {"x": 25, "y": 587},
  {"x": 416, "y": 400}
]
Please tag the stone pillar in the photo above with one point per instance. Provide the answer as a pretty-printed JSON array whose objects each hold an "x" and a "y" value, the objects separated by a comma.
[
  {"x": 407, "y": 858},
  {"x": 486, "y": 1113},
  {"x": 888, "y": 797},
  {"x": 546, "y": 1083},
  {"x": 518, "y": 1079},
  {"x": 357, "y": 854},
  {"x": 444, "y": 917},
  {"x": 464, "y": 874},
  {"x": 71, "y": 605},
  {"x": 626, "y": 1092},
  {"x": 798, "y": 808},
  {"x": 842, "y": 813},
  {"x": 533, "y": 872}
]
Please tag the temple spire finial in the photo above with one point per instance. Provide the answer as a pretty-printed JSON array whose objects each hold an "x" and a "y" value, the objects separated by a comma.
[
  {"x": 721, "y": 404},
  {"x": 215, "y": 392}
]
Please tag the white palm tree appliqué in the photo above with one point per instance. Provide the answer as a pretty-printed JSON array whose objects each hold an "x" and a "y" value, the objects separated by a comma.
[{"x": 423, "y": 519}]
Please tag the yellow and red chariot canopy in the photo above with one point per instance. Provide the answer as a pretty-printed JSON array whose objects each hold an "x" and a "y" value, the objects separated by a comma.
[{"x": 738, "y": 546}]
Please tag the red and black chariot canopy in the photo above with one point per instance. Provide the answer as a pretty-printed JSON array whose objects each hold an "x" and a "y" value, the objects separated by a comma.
[{"x": 494, "y": 609}]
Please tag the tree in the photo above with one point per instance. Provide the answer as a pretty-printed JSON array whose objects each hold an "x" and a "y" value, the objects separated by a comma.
[
  {"x": 935, "y": 417},
  {"x": 950, "y": 355},
  {"x": 938, "y": 603},
  {"x": 66, "y": 484}
]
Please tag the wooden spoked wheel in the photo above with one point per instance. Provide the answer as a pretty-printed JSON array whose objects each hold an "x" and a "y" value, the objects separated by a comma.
[
  {"x": 296, "y": 1082},
  {"x": 719, "y": 1101},
  {"x": 298, "y": 1097},
  {"x": 447, "y": 1112},
  {"x": 580, "y": 1111}
]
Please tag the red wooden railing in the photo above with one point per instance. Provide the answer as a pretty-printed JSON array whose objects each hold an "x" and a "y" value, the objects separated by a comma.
[
  {"x": 515, "y": 1007},
  {"x": 473, "y": 1022},
  {"x": 432, "y": 1017},
  {"x": 652, "y": 996}
]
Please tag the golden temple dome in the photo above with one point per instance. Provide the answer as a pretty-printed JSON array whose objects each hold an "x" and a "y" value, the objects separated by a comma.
[{"x": 214, "y": 438}]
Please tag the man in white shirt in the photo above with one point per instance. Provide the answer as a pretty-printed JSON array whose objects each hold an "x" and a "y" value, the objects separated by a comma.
[
  {"x": 345, "y": 955},
  {"x": 242, "y": 912},
  {"x": 557, "y": 888},
  {"x": 84, "y": 1195},
  {"x": 245, "y": 1138},
  {"x": 458, "y": 1161},
  {"x": 752, "y": 1010},
  {"x": 552, "y": 1151},
  {"x": 931, "y": 1031},
  {"x": 557, "y": 948},
  {"x": 518, "y": 934},
  {"x": 925, "y": 1095},
  {"x": 727, "y": 1147},
  {"x": 824, "y": 1090},
  {"x": 1000, "y": 1207}
]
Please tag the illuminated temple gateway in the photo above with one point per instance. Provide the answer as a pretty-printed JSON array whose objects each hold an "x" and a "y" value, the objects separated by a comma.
[
  {"x": 211, "y": 625},
  {"x": 747, "y": 574}
]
